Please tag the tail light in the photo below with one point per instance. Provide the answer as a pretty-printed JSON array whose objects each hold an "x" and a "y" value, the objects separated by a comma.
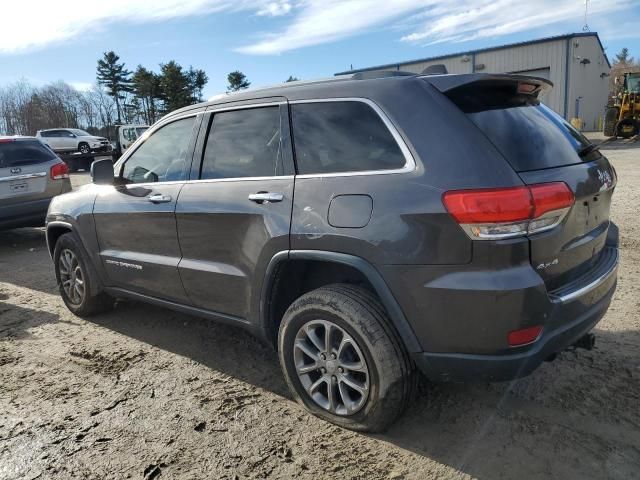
[
  {"x": 497, "y": 213},
  {"x": 59, "y": 171}
]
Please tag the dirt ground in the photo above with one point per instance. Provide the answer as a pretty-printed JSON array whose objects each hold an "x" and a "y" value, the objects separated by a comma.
[{"x": 146, "y": 393}]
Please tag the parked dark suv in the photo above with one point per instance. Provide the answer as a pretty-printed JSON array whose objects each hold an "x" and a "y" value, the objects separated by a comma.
[{"x": 364, "y": 225}]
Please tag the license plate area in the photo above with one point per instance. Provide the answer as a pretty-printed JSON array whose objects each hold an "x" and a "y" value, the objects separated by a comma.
[{"x": 18, "y": 187}]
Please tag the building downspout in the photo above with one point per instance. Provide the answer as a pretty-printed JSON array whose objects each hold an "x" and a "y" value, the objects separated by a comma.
[{"x": 567, "y": 65}]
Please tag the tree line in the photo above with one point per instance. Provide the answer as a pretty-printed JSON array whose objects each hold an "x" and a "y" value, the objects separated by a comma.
[{"x": 120, "y": 96}]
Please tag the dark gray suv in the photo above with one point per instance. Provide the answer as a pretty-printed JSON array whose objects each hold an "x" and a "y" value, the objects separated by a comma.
[{"x": 366, "y": 226}]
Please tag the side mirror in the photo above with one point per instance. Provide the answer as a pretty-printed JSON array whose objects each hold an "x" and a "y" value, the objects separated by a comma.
[{"x": 102, "y": 172}]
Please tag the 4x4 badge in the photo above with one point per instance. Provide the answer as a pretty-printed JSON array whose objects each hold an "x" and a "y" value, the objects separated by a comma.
[{"x": 15, "y": 170}]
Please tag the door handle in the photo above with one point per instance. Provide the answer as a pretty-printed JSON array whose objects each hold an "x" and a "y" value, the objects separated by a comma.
[
  {"x": 268, "y": 197},
  {"x": 159, "y": 198}
]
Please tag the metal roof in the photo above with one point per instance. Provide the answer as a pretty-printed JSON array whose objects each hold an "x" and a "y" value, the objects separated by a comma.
[{"x": 397, "y": 65}]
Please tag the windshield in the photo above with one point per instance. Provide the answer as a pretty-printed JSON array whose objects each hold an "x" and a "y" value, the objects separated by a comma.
[
  {"x": 633, "y": 83},
  {"x": 80, "y": 133}
]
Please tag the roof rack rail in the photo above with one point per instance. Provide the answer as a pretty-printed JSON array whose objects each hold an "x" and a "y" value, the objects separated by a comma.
[{"x": 370, "y": 75}]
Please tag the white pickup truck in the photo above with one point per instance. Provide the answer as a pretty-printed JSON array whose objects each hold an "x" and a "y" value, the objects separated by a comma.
[{"x": 125, "y": 136}]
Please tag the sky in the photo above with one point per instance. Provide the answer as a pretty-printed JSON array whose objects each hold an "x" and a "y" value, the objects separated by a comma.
[{"x": 269, "y": 40}]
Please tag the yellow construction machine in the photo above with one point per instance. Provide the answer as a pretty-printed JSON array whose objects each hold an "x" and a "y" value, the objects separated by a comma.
[{"x": 622, "y": 118}]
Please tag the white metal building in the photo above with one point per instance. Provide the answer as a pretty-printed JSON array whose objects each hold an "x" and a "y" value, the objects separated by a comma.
[{"x": 575, "y": 63}]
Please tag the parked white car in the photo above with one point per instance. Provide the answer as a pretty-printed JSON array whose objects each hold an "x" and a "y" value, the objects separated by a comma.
[{"x": 73, "y": 140}]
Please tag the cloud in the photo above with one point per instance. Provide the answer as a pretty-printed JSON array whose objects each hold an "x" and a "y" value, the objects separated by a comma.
[
  {"x": 433, "y": 21},
  {"x": 40, "y": 23},
  {"x": 303, "y": 23},
  {"x": 275, "y": 9},
  {"x": 82, "y": 86}
]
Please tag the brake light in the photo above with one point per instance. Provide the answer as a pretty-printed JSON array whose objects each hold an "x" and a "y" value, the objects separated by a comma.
[
  {"x": 7, "y": 140},
  {"x": 59, "y": 171},
  {"x": 497, "y": 213},
  {"x": 518, "y": 338}
]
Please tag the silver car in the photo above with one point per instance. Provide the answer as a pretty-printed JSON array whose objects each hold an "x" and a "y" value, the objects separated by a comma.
[{"x": 31, "y": 174}]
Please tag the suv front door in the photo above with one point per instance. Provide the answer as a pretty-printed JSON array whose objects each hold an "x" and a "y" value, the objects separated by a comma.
[
  {"x": 236, "y": 212},
  {"x": 135, "y": 219}
]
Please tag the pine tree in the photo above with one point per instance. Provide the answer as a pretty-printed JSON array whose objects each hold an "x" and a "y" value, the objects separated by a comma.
[
  {"x": 291, "y": 79},
  {"x": 175, "y": 86},
  {"x": 623, "y": 57},
  {"x": 115, "y": 78},
  {"x": 237, "y": 81}
]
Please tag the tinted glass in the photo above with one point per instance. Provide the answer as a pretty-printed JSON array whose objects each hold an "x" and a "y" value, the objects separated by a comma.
[
  {"x": 529, "y": 135},
  {"x": 342, "y": 137},
  {"x": 162, "y": 158},
  {"x": 532, "y": 137},
  {"x": 244, "y": 143},
  {"x": 15, "y": 154}
]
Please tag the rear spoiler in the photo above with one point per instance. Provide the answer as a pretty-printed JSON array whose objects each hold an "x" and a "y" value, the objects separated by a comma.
[{"x": 525, "y": 84}]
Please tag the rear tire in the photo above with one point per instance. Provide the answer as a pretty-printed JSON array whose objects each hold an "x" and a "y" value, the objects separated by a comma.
[
  {"x": 627, "y": 128},
  {"x": 77, "y": 279},
  {"x": 362, "y": 386},
  {"x": 610, "y": 121}
]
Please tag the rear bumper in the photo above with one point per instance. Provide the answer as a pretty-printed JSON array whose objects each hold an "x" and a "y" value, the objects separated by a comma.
[
  {"x": 25, "y": 214},
  {"x": 462, "y": 319},
  {"x": 460, "y": 367}
]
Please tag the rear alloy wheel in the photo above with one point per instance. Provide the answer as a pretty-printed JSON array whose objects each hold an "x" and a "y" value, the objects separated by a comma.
[
  {"x": 84, "y": 148},
  {"x": 77, "y": 280},
  {"x": 331, "y": 367},
  {"x": 343, "y": 359}
]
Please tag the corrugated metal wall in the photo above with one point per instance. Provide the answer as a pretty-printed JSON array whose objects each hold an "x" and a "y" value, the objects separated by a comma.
[
  {"x": 588, "y": 82},
  {"x": 584, "y": 80}
]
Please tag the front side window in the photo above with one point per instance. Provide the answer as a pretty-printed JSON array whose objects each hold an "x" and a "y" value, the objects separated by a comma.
[
  {"x": 162, "y": 157},
  {"x": 345, "y": 136},
  {"x": 244, "y": 143}
]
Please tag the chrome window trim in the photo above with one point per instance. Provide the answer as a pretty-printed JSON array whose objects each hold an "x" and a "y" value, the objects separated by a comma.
[
  {"x": 410, "y": 163},
  {"x": 239, "y": 179},
  {"x": 24, "y": 176},
  {"x": 226, "y": 108}
]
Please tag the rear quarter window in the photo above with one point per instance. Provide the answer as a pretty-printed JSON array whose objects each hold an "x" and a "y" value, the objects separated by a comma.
[
  {"x": 19, "y": 153},
  {"x": 342, "y": 136},
  {"x": 529, "y": 134}
]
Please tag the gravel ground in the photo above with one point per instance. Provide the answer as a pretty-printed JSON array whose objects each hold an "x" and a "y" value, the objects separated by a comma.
[{"x": 147, "y": 393}]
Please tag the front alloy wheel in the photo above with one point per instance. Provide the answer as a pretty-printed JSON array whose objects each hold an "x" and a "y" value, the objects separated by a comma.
[
  {"x": 331, "y": 367},
  {"x": 84, "y": 148},
  {"x": 71, "y": 276}
]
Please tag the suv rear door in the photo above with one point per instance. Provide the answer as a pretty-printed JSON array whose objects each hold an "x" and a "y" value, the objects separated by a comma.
[
  {"x": 234, "y": 214},
  {"x": 542, "y": 147},
  {"x": 135, "y": 219}
]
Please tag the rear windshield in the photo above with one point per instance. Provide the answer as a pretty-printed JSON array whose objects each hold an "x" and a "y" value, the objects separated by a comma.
[
  {"x": 530, "y": 135},
  {"x": 23, "y": 152}
]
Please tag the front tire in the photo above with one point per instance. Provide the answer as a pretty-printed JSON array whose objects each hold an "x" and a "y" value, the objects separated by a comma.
[
  {"x": 84, "y": 148},
  {"x": 627, "y": 128},
  {"x": 343, "y": 360},
  {"x": 76, "y": 279},
  {"x": 610, "y": 121}
]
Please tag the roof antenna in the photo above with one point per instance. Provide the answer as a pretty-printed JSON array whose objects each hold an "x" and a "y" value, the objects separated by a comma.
[{"x": 585, "y": 27}]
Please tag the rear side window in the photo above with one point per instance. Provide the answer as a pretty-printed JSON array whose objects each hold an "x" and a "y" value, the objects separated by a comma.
[
  {"x": 530, "y": 135},
  {"x": 345, "y": 136},
  {"x": 244, "y": 143},
  {"x": 28, "y": 152}
]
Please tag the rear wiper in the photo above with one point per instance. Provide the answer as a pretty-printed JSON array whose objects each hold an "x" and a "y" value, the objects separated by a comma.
[{"x": 584, "y": 151}]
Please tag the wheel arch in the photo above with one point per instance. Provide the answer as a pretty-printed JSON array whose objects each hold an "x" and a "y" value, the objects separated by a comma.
[
  {"x": 54, "y": 231},
  {"x": 354, "y": 267}
]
